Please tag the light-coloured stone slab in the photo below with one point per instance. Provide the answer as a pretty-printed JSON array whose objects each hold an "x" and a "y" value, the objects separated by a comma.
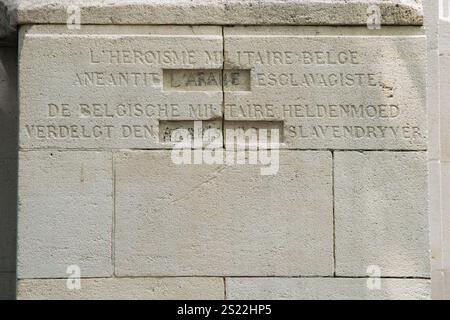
[
  {"x": 431, "y": 25},
  {"x": 346, "y": 88},
  {"x": 326, "y": 288},
  {"x": 268, "y": 12},
  {"x": 214, "y": 220},
  {"x": 124, "y": 288},
  {"x": 445, "y": 228},
  {"x": 381, "y": 213},
  {"x": 444, "y": 65},
  {"x": 65, "y": 213},
  {"x": 211, "y": 220},
  {"x": 436, "y": 222},
  {"x": 102, "y": 86},
  {"x": 444, "y": 93},
  {"x": 446, "y": 285},
  {"x": 440, "y": 217}
]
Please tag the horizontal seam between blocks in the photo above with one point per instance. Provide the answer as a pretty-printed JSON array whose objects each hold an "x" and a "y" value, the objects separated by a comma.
[
  {"x": 169, "y": 149},
  {"x": 233, "y": 277},
  {"x": 213, "y": 37},
  {"x": 119, "y": 35},
  {"x": 364, "y": 36},
  {"x": 362, "y": 25}
]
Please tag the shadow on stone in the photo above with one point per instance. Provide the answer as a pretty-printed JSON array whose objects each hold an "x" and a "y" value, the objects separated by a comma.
[{"x": 8, "y": 171}]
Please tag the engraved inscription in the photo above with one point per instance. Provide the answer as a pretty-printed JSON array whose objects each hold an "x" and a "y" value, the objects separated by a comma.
[
  {"x": 206, "y": 80},
  {"x": 317, "y": 111},
  {"x": 236, "y": 80},
  {"x": 320, "y": 91},
  {"x": 341, "y": 79},
  {"x": 211, "y": 131},
  {"x": 291, "y": 57},
  {"x": 116, "y": 79},
  {"x": 118, "y": 121},
  {"x": 108, "y": 90},
  {"x": 330, "y": 92},
  {"x": 151, "y": 57},
  {"x": 192, "y": 80}
]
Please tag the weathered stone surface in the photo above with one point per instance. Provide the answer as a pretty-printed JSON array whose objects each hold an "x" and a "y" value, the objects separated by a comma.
[
  {"x": 212, "y": 220},
  {"x": 319, "y": 109},
  {"x": 263, "y": 12},
  {"x": 65, "y": 213},
  {"x": 347, "y": 88},
  {"x": 124, "y": 288},
  {"x": 326, "y": 288},
  {"x": 445, "y": 230},
  {"x": 444, "y": 85},
  {"x": 381, "y": 213},
  {"x": 437, "y": 25},
  {"x": 431, "y": 25},
  {"x": 223, "y": 220},
  {"x": 437, "y": 246},
  {"x": 102, "y": 86}
]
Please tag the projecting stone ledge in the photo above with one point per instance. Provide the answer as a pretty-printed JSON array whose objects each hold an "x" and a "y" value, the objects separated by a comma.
[{"x": 222, "y": 12}]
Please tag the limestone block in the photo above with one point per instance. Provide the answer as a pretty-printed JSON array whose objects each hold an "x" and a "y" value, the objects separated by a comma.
[
  {"x": 346, "y": 88},
  {"x": 431, "y": 25},
  {"x": 444, "y": 33},
  {"x": 436, "y": 223},
  {"x": 215, "y": 220},
  {"x": 102, "y": 86},
  {"x": 327, "y": 288},
  {"x": 65, "y": 213},
  {"x": 445, "y": 226},
  {"x": 381, "y": 213},
  {"x": 444, "y": 83},
  {"x": 134, "y": 213},
  {"x": 124, "y": 288},
  {"x": 262, "y": 12}
]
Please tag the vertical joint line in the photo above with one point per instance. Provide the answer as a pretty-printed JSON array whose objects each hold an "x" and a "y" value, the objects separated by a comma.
[
  {"x": 223, "y": 87},
  {"x": 225, "y": 288},
  {"x": 333, "y": 183},
  {"x": 113, "y": 231}
]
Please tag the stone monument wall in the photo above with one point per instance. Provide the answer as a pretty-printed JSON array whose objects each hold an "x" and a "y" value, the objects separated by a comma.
[{"x": 342, "y": 209}]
